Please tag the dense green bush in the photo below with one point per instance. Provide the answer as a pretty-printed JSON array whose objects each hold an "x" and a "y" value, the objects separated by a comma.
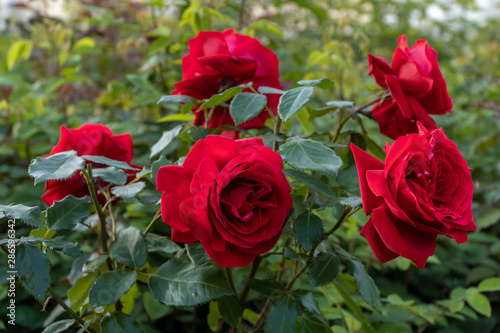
[{"x": 112, "y": 64}]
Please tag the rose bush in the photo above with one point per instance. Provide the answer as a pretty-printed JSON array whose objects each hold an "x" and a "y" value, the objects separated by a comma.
[
  {"x": 89, "y": 139},
  {"x": 221, "y": 60},
  {"x": 416, "y": 85},
  {"x": 230, "y": 195},
  {"x": 423, "y": 189}
]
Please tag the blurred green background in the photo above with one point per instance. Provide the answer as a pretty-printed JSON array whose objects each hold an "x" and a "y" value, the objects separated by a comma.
[{"x": 110, "y": 61}]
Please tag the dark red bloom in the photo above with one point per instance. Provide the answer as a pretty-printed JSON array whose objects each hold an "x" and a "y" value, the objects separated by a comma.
[
  {"x": 230, "y": 195},
  {"x": 89, "y": 139},
  {"x": 423, "y": 189},
  {"x": 416, "y": 85},
  {"x": 221, "y": 60}
]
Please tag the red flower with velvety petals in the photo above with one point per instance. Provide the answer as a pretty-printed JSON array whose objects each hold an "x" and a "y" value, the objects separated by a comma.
[
  {"x": 89, "y": 139},
  {"x": 230, "y": 195},
  {"x": 221, "y": 60},
  {"x": 416, "y": 85},
  {"x": 423, "y": 189}
]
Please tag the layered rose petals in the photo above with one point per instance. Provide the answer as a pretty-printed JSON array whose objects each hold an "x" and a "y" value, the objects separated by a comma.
[
  {"x": 89, "y": 139},
  {"x": 231, "y": 196},
  {"x": 221, "y": 60},
  {"x": 424, "y": 189},
  {"x": 416, "y": 86}
]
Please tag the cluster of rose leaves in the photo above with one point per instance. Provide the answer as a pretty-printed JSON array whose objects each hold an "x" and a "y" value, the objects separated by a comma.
[{"x": 232, "y": 196}]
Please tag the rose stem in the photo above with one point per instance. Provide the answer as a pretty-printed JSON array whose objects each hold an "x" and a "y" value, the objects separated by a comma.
[
  {"x": 65, "y": 307},
  {"x": 102, "y": 219},
  {"x": 246, "y": 288},
  {"x": 156, "y": 217},
  {"x": 277, "y": 127},
  {"x": 364, "y": 106},
  {"x": 230, "y": 278}
]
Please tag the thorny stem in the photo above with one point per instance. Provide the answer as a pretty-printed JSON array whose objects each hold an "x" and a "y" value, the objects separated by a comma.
[
  {"x": 87, "y": 174},
  {"x": 260, "y": 321},
  {"x": 150, "y": 225},
  {"x": 230, "y": 278},
  {"x": 65, "y": 307},
  {"x": 246, "y": 288}
]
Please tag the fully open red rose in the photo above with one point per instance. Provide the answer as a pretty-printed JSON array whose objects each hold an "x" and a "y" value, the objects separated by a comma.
[
  {"x": 89, "y": 139},
  {"x": 417, "y": 89},
  {"x": 221, "y": 60},
  {"x": 230, "y": 195},
  {"x": 423, "y": 189}
]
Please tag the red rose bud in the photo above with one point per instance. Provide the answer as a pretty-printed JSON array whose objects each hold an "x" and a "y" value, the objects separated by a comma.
[
  {"x": 423, "y": 189},
  {"x": 221, "y": 60},
  {"x": 230, "y": 195},
  {"x": 416, "y": 85},
  {"x": 89, "y": 139}
]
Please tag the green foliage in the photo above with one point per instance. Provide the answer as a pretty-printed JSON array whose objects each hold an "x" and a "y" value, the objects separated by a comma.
[
  {"x": 33, "y": 267},
  {"x": 283, "y": 316},
  {"x": 67, "y": 213},
  {"x": 178, "y": 283},
  {"x": 110, "y": 286},
  {"x": 308, "y": 229},
  {"x": 293, "y": 100},
  {"x": 129, "y": 248},
  {"x": 310, "y": 155},
  {"x": 324, "y": 268},
  {"x": 246, "y": 106},
  {"x": 56, "y": 167},
  {"x": 166, "y": 139},
  {"x": 29, "y": 215}
]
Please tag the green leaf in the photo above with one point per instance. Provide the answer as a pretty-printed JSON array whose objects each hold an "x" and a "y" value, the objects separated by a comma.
[
  {"x": 306, "y": 298},
  {"x": 314, "y": 184},
  {"x": 68, "y": 212},
  {"x": 314, "y": 323},
  {"x": 480, "y": 303},
  {"x": 283, "y": 317},
  {"x": 490, "y": 284},
  {"x": 350, "y": 304},
  {"x": 315, "y": 8},
  {"x": 129, "y": 248},
  {"x": 157, "y": 243},
  {"x": 230, "y": 310},
  {"x": 308, "y": 229},
  {"x": 162, "y": 161},
  {"x": 56, "y": 167},
  {"x": 310, "y": 155},
  {"x": 223, "y": 97},
  {"x": 61, "y": 243},
  {"x": 290, "y": 253},
  {"x": 339, "y": 105},
  {"x": 128, "y": 191},
  {"x": 166, "y": 139},
  {"x": 197, "y": 254},
  {"x": 20, "y": 49},
  {"x": 324, "y": 268},
  {"x": 366, "y": 286},
  {"x": 59, "y": 326},
  {"x": 29, "y": 215},
  {"x": 246, "y": 106},
  {"x": 353, "y": 202},
  {"x": 293, "y": 100},
  {"x": 197, "y": 133},
  {"x": 33, "y": 270},
  {"x": 178, "y": 117},
  {"x": 270, "y": 90},
  {"x": 109, "y": 162},
  {"x": 80, "y": 287},
  {"x": 177, "y": 99},
  {"x": 118, "y": 322},
  {"x": 178, "y": 283},
  {"x": 154, "y": 308},
  {"x": 110, "y": 286},
  {"x": 323, "y": 83},
  {"x": 214, "y": 317},
  {"x": 488, "y": 218},
  {"x": 94, "y": 264},
  {"x": 111, "y": 175},
  {"x": 268, "y": 288}
]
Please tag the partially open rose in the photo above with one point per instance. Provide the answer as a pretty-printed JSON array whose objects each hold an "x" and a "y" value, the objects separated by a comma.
[
  {"x": 416, "y": 85},
  {"x": 89, "y": 139},
  {"x": 230, "y": 195},
  {"x": 423, "y": 189},
  {"x": 221, "y": 60}
]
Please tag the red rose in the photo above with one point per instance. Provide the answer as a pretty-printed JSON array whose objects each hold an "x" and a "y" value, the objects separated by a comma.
[
  {"x": 221, "y": 60},
  {"x": 89, "y": 139},
  {"x": 423, "y": 189},
  {"x": 417, "y": 89},
  {"x": 231, "y": 195}
]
